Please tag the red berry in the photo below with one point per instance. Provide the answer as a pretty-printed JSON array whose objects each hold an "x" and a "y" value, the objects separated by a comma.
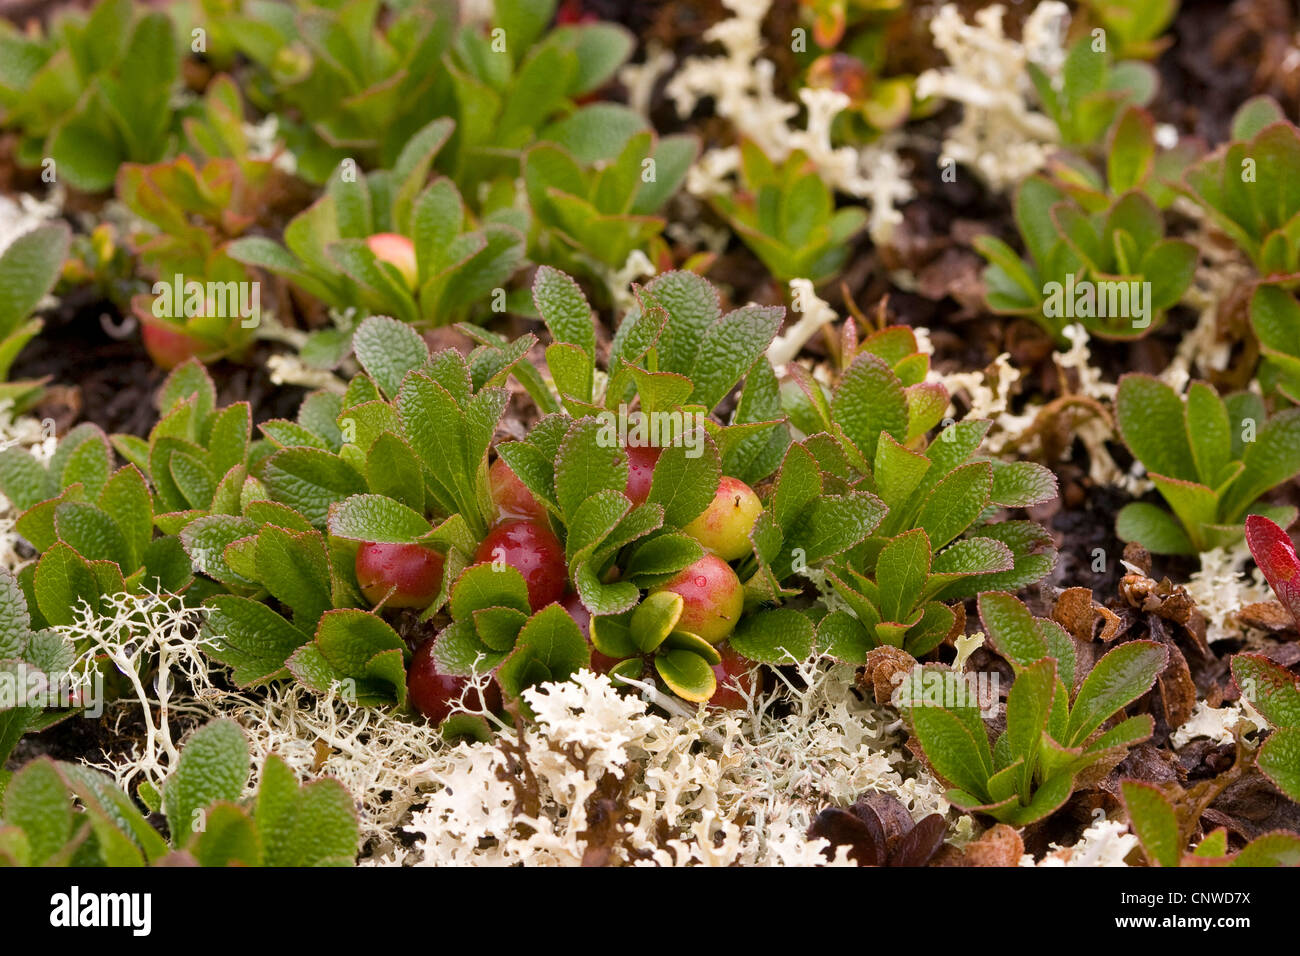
[
  {"x": 533, "y": 551},
  {"x": 412, "y": 572},
  {"x": 168, "y": 346},
  {"x": 640, "y": 471},
  {"x": 432, "y": 692},
  {"x": 734, "y": 675},
  {"x": 571, "y": 12},
  {"x": 713, "y": 598},
  {"x": 600, "y": 663},
  {"x": 399, "y": 252},
  {"x": 723, "y": 527},
  {"x": 511, "y": 496}
]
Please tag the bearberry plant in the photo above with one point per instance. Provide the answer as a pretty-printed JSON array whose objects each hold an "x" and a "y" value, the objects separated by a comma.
[
  {"x": 392, "y": 243},
  {"x": 95, "y": 91},
  {"x": 1164, "y": 835},
  {"x": 1059, "y": 732},
  {"x": 66, "y": 814},
  {"x": 29, "y": 267},
  {"x": 1211, "y": 459}
]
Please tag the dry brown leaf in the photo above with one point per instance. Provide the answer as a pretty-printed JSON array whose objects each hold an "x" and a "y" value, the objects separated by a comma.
[{"x": 878, "y": 673}]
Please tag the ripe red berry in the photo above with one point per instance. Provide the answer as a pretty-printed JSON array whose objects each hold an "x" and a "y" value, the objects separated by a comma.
[
  {"x": 432, "y": 692},
  {"x": 511, "y": 496},
  {"x": 640, "y": 471},
  {"x": 533, "y": 551},
  {"x": 713, "y": 598},
  {"x": 413, "y": 574},
  {"x": 734, "y": 675},
  {"x": 723, "y": 527},
  {"x": 399, "y": 252}
]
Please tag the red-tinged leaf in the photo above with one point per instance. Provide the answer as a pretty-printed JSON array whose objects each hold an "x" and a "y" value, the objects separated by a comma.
[
  {"x": 1269, "y": 687},
  {"x": 1275, "y": 554}
]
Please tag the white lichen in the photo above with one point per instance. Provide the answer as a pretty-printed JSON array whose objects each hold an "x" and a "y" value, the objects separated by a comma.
[
  {"x": 814, "y": 315},
  {"x": 711, "y": 788},
  {"x": 288, "y": 369},
  {"x": 1215, "y": 723},
  {"x": 1221, "y": 588},
  {"x": 740, "y": 84},
  {"x": 1104, "y": 843},
  {"x": 1001, "y": 136},
  {"x": 21, "y": 214},
  {"x": 640, "y": 78},
  {"x": 150, "y": 640},
  {"x": 619, "y": 281}
]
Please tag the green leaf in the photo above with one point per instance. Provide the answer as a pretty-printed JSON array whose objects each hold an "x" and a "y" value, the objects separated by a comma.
[
  {"x": 1118, "y": 679},
  {"x": 870, "y": 401},
  {"x": 897, "y": 471},
  {"x": 1021, "y": 484},
  {"x": 564, "y": 309},
  {"x": 956, "y": 502},
  {"x": 125, "y": 497},
  {"x": 587, "y": 464},
  {"x": 843, "y": 637},
  {"x": 1029, "y": 705},
  {"x": 1272, "y": 458},
  {"x": 64, "y": 582},
  {"x": 1154, "y": 822},
  {"x": 460, "y": 651},
  {"x": 88, "y": 463},
  {"x": 213, "y": 767},
  {"x": 484, "y": 586},
  {"x": 1012, "y": 629},
  {"x": 692, "y": 305},
  {"x": 295, "y": 569},
  {"x": 1270, "y": 688},
  {"x": 730, "y": 347},
  {"x": 1132, "y": 151},
  {"x": 835, "y": 523},
  {"x": 314, "y": 825},
  {"x": 1153, "y": 528},
  {"x": 798, "y": 484},
  {"x": 28, "y": 270},
  {"x": 685, "y": 482},
  {"x": 1209, "y": 431},
  {"x": 1272, "y": 849},
  {"x": 250, "y": 638},
  {"x": 951, "y": 748},
  {"x": 205, "y": 540},
  {"x": 550, "y": 647},
  {"x": 228, "y": 838},
  {"x": 376, "y": 518},
  {"x": 349, "y": 640},
  {"x": 1279, "y": 760},
  {"x": 572, "y": 369},
  {"x": 498, "y": 627},
  {"x": 665, "y": 554},
  {"x": 1195, "y": 505},
  {"x": 24, "y": 480},
  {"x": 309, "y": 480},
  {"x": 687, "y": 674},
  {"x": 1151, "y": 421},
  {"x": 387, "y": 349},
  {"x": 115, "y": 816},
  {"x": 92, "y": 533},
  {"x": 37, "y": 801},
  {"x": 901, "y": 570},
  {"x": 780, "y": 636}
]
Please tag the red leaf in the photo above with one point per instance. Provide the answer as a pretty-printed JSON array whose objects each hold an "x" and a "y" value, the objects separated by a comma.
[{"x": 1276, "y": 556}]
